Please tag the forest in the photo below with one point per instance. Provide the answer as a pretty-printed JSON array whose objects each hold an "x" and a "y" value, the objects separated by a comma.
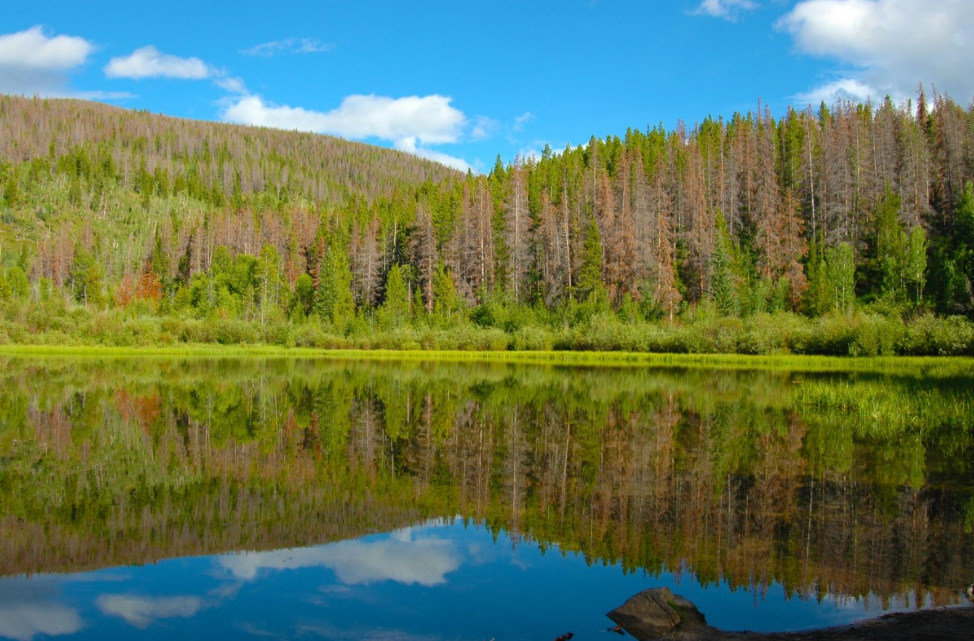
[{"x": 842, "y": 229}]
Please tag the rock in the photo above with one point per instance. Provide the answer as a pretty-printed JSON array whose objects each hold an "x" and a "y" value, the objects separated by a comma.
[{"x": 658, "y": 612}]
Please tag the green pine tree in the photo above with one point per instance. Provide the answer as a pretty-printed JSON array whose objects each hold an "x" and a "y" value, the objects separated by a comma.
[
  {"x": 394, "y": 311},
  {"x": 723, "y": 290}
]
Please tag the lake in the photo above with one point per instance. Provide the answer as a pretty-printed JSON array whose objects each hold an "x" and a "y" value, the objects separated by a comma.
[{"x": 310, "y": 498}]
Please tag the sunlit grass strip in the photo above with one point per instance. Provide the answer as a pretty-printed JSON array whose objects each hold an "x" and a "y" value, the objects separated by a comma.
[{"x": 937, "y": 366}]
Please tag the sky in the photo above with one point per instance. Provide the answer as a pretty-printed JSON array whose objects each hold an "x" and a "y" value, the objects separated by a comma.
[{"x": 462, "y": 82}]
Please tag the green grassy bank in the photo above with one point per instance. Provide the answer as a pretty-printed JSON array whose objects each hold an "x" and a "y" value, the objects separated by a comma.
[{"x": 891, "y": 364}]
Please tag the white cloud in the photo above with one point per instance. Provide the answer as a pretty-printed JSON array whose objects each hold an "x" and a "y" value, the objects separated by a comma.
[
  {"x": 483, "y": 128},
  {"x": 400, "y": 558},
  {"x": 409, "y": 122},
  {"x": 532, "y": 153},
  {"x": 727, "y": 9},
  {"x": 522, "y": 120},
  {"x": 843, "y": 89},
  {"x": 140, "y": 612},
  {"x": 29, "y": 608},
  {"x": 149, "y": 62},
  {"x": 289, "y": 45},
  {"x": 409, "y": 145},
  {"x": 33, "y": 63},
  {"x": 430, "y": 119},
  {"x": 31, "y": 49},
  {"x": 233, "y": 85},
  {"x": 102, "y": 95},
  {"x": 892, "y": 45}
]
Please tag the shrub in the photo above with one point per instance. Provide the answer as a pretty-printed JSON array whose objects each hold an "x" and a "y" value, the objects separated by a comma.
[
  {"x": 832, "y": 336},
  {"x": 877, "y": 336},
  {"x": 932, "y": 336},
  {"x": 531, "y": 339}
]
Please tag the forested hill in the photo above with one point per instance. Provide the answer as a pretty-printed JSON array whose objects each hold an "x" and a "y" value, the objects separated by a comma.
[
  {"x": 844, "y": 211},
  {"x": 211, "y": 161}
]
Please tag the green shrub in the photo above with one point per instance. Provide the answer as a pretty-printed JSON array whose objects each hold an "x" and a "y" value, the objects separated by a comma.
[
  {"x": 932, "y": 336},
  {"x": 531, "y": 339},
  {"x": 877, "y": 336},
  {"x": 832, "y": 336}
]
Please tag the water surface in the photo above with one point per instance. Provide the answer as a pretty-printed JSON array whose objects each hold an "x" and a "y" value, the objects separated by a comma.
[{"x": 307, "y": 498}]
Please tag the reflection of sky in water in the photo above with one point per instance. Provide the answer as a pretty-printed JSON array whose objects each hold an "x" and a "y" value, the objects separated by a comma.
[
  {"x": 31, "y": 607},
  {"x": 425, "y": 583}
]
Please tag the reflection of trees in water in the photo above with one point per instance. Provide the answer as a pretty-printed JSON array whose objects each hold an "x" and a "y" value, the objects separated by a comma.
[{"x": 730, "y": 476}]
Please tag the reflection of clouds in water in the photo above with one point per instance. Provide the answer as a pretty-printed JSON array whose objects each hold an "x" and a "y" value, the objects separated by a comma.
[
  {"x": 30, "y": 607},
  {"x": 367, "y": 634},
  {"x": 142, "y": 611},
  {"x": 253, "y": 630},
  {"x": 399, "y": 558}
]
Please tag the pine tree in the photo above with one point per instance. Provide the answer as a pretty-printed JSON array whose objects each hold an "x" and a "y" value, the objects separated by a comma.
[
  {"x": 590, "y": 286},
  {"x": 394, "y": 311},
  {"x": 448, "y": 307},
  {"x": 818, "y": 297},
  {"x": 723, "y": 289},
  {"x": 333, "y": 300}
]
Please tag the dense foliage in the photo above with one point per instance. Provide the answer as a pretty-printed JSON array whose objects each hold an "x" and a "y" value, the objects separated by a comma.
[{"x": 846, "y": 229}]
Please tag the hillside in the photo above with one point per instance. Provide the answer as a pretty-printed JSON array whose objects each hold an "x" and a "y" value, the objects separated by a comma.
[{"x": 72, "y": 168}]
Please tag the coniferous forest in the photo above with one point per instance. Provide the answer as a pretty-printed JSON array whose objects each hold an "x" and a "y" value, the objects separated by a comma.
[{"x": 842, "y": 229}]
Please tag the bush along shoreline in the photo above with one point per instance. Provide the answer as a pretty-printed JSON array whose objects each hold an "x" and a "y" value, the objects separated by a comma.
[{"x": 864, "y": 333}]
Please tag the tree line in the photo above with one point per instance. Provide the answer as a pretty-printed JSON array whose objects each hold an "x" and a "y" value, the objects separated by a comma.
[{"x": 821, "y": 212}]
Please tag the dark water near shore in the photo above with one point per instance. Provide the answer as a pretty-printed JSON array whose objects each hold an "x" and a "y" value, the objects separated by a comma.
[{"x": 146, "y": 498}]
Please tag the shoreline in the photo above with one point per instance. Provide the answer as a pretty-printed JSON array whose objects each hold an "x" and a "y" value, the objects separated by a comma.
[
  {"x": 953, "y": 623},
  {"x": 789, "y": 362}
]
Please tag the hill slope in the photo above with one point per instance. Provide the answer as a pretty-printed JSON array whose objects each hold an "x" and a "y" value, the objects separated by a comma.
[{"x": 116, "y": 178}]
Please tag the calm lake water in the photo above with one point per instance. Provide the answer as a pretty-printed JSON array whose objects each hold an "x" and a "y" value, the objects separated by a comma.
[{"x": 241, "y": 498}]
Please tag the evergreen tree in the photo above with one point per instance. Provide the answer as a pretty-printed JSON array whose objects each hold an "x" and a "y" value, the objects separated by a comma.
[
  {"x": 723, "y": 290},
  {"x": 394, "y": 311},
  {"x": 890, "y": 244},
  {"x": 590, "y": 284},
  {"x": 819, "y": 295},
  {"x": 333, "y": 300},
  {"x": 448, "y": 307}
]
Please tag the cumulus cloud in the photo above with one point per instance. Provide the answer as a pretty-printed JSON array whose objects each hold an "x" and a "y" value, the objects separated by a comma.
[
  {"x": 430, "y": 119},
  {"x": 31, "y": 49},
  {"x": 288, "y": 45},
  {"x": 401, "y": 558},
  {"x": 843, "y": 89},
  {"x": 32, "y": 62},
  {"x": 29, "y": 608},
  {"x": 727, "y": 9},
  {"x": 891, "y": 45},
  {"x": 409, "y": 145},
  {"x": 149, "y": 62},
  {"x": 141, "y": 612},
  {"x": 409, "y": 123}
]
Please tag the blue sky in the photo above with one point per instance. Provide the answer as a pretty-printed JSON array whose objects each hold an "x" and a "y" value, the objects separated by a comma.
[{"x": 463, "y": 81}]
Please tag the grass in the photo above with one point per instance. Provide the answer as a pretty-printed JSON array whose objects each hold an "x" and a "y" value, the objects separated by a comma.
[{"x": 913, "y": 365}]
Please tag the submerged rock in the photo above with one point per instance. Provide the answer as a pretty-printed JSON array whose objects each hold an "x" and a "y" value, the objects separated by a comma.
[{"x": 656, "y": 613}]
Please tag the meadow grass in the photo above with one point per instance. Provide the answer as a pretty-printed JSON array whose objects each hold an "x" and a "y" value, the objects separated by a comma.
[{"x": 911, "y": 365}]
